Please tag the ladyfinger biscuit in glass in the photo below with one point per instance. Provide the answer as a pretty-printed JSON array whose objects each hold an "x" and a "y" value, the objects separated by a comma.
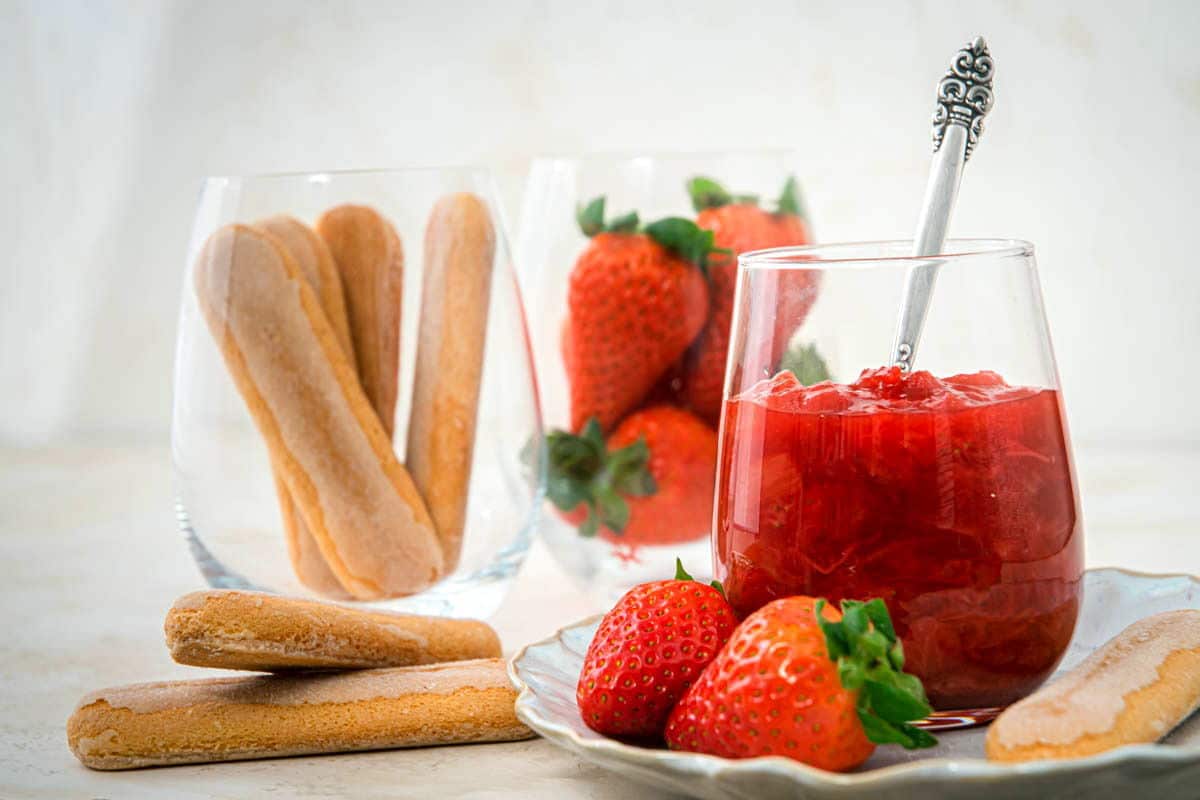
[
  {"x": 460, "y": 245},
  {"x": 267, "y": 716},
  {"x": 230, "y": 629},
  {"x": 317, "y": 267},
  {"x": 357, "y": 500},
  {"x": 310, "y": 566},
  {"x": 370, "y": 260},
  {"x": 1135, "y": 689}
]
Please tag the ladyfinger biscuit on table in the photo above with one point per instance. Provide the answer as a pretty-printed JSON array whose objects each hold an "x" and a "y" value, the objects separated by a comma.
[
  {"x": 370, "y": 260},
  {"x": 357, "y": 500},
  {"x": 1135, "y": 689},
  {"x": 249, "y": 630},
  {"x": 265, "y": 716},
  {"x": 316, "y": 265},
  {"x": 460, "y": 245}
]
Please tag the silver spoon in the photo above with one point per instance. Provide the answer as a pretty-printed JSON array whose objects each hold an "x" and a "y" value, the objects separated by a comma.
[{"x": 964, "y": 98}]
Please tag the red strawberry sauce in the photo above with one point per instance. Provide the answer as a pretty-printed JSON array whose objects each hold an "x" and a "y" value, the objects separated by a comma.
[{"x": 952, "y": 499}]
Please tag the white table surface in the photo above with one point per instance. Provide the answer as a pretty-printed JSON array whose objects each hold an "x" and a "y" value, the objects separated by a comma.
[{"x": 90, "y": 559}]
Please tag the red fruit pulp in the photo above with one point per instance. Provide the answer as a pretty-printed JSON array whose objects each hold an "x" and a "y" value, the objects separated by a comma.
[{"x": 952, "y": 499}]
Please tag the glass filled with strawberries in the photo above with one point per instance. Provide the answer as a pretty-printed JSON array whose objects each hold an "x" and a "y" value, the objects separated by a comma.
[
  {"x": 630, "y": 268},
  {"x": 946, "y": 491}
]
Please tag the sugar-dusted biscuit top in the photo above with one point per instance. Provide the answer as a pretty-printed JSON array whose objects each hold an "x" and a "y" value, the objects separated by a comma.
[
  {"x": 1135, "y": 689},
  {"x": 266, "y": 716},
  {"x": 232, "y": 629}
]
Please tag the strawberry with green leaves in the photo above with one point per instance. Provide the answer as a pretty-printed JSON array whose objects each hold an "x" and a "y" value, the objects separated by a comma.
[
  {"x": 636, "y": 299},
  {"x": 800, "y": 680},
  {"x": 647, "y": 651},
  {"x": 650, "y": 482},
  {"x": 739, "y": 225}
]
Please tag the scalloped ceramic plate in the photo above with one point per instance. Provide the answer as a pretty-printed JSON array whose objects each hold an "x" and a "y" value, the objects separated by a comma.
[{"x": 546, "y": 673}]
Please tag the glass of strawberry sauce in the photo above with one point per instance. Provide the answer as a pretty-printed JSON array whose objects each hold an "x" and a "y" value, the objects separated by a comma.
[{"x": 949, "y": 492}]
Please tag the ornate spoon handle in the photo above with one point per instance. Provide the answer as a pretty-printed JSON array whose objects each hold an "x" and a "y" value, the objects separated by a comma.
[{"x": 964, "y": 99}]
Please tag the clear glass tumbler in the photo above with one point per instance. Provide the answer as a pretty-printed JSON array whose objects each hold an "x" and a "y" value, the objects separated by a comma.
[
  {"x": 949, "y": 491},
  {"x": 355, "y": 415},
  {"x": 634, "y": 339}
]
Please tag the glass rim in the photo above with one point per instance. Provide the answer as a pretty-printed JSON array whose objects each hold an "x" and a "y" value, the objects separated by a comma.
[
  {"x": 822, "y": 256},
  {"x": 477, "y": 169}
]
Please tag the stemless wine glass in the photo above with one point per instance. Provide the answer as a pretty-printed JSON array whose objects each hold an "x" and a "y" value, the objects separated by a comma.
[
  {"x": 948, "y": 492},
  {"x": 240, "y": 507},
  {"x": 549, "y": 250}
]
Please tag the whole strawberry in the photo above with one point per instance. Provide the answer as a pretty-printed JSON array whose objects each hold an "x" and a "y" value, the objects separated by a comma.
[
  {"x": 651, "y": 482},
  {"x": 797, "y": 679},
  {"x": 740, "y": 225},
  {"x": 635, "y": 301},
  {"x": 647, "y": 651}
]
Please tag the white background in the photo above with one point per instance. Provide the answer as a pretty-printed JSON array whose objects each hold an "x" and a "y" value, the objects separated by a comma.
[{"x": 113, "y": 112}]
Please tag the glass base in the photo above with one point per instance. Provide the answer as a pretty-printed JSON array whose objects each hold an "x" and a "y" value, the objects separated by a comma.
[
  {"x": 605, "y": 569},
  {"x": 957, "y": 720},
  {"x": 473, "y": 596}
]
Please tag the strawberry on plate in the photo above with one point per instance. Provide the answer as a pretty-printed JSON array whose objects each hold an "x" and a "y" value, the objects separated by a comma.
[
  {"x": 636, "y": 300},
  {"x": 650, "y": 482},
  {"x": 647, "y": 651},
  {"x": 739, "y": 225},
  {"x": 800, "y": 680}
]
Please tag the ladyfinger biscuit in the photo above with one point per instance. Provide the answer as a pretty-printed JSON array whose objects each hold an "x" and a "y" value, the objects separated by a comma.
[
  {"x": 370, "y": 260},
  {"x": 1134, "y": 689},
  {"x": 310, "y": 566},
  {"x": 460, "y": 245},
  {"x": 316, "y": 265},
  {"x": 360, "y": 504},
  {"x": 267, "y": 716},
  {"x": 250, "y": 630}
]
